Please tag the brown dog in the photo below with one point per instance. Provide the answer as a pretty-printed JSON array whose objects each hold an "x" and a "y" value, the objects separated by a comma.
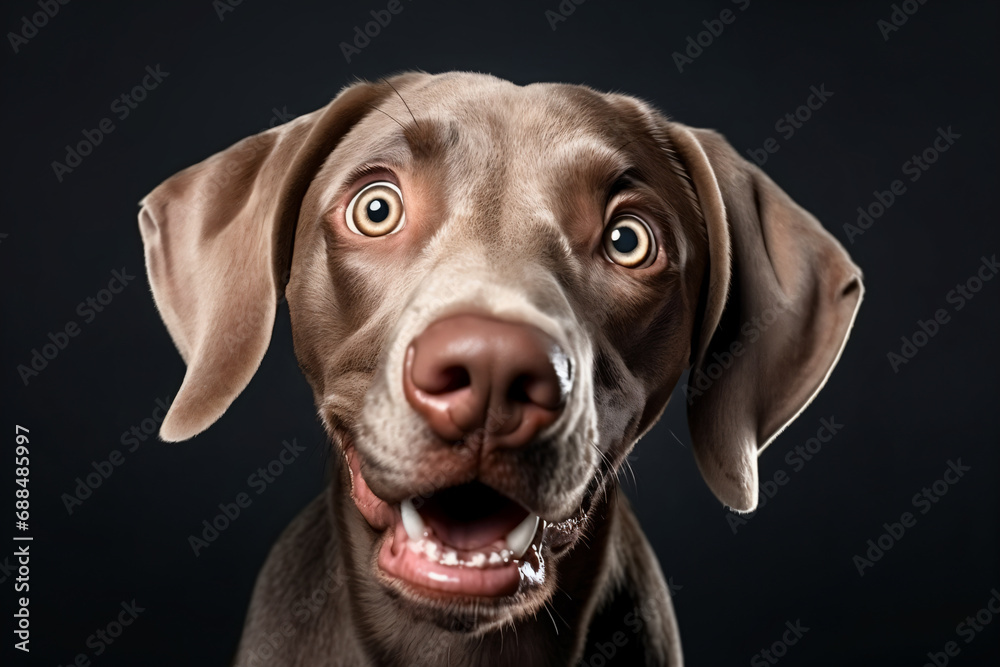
[{"x": 493, "y": 291}]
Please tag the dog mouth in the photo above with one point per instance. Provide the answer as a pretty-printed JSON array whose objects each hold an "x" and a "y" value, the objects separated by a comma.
[{"x": 464, "y": 541}]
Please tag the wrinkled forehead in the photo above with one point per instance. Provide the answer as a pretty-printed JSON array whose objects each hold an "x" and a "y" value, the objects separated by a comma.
[{"x": 500, "y": 136}]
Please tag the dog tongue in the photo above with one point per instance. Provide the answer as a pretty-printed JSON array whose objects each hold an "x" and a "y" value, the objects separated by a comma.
[{"x": 471, "y": 516}]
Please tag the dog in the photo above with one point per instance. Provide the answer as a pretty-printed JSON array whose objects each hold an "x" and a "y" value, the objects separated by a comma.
[{"x": 493, "y": 291}]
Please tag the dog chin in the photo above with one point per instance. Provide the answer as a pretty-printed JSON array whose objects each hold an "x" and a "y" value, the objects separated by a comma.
[{"x": 465, "y": 557}]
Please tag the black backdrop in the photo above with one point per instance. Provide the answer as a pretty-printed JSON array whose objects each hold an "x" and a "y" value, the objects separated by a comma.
[{"x": 227, "y": 74}]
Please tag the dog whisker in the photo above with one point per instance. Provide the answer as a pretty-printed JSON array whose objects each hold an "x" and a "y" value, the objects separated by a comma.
[
  {"x": 386, "y": 82},
  {"x": 677, "y": 439},
  {"x": 556, "y": 611},
  {"x": 622, "y": 147},
  {"x": 628, "y": 464},
  {"x": 555, "y": 627},
  {"x": 387, "y": 114}
]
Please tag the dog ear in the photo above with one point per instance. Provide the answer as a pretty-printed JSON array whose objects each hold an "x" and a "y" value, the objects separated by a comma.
[
  {"x": 218, "y": 241},
  {"x": 782, "y": 295}
]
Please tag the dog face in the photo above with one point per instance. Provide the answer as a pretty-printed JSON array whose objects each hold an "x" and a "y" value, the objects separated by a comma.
[{"x": 493, "y": 291}]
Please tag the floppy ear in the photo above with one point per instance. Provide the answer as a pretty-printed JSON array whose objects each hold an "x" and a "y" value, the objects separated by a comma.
[
  {"x": 782, "y": 295},
  {"x": 218, "y": 239}
]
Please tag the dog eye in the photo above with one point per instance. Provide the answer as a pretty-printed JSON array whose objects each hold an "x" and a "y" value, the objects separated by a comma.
[
  {"x": 628, "y": 241},
  {"x": 377, "y": 210}
]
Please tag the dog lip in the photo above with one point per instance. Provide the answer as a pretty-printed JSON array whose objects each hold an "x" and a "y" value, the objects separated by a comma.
[{"x": 378, "y": 513}]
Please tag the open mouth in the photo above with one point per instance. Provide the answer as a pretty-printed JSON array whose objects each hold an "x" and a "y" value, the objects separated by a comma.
[
  {"x": 462, "y": 541},
  {"x": 467, "y": 540}
]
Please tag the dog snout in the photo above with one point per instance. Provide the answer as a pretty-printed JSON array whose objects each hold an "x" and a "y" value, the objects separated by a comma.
[{"x": 499, "y": 381}]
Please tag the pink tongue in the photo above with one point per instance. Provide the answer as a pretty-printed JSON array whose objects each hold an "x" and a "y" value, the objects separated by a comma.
[{"x": 471, "y": 517}]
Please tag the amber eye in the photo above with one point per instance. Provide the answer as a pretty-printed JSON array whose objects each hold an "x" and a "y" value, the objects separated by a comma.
[
  {"x": 377, "y": 210},
  {"x": 628, "y": 241}
]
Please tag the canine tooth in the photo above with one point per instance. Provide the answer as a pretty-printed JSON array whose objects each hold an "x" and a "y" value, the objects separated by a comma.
[
  {"x": 519, "y": 538},
  {"x": 412, "y": 522}
]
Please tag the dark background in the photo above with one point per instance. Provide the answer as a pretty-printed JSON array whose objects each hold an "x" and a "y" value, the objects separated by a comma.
[{"x": 735, "y": 591}]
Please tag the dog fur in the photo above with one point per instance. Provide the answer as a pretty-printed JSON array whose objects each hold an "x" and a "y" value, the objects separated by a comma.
[{"x": 507, "y": 191}]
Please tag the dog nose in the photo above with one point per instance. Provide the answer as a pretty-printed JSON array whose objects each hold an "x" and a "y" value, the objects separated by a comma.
[{"x": 500, "y": 382}]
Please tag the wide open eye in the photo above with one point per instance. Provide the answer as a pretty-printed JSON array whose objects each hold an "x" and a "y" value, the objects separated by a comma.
[
  {"x": 628, "y": 241},
  {"x": 377, "y": 210}
]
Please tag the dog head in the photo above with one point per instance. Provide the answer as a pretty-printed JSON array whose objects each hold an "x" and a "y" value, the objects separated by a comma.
[{"x": 493, "y": 291}]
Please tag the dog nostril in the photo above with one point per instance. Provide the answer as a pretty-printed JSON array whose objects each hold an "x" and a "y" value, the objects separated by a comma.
[
  {"x": 518, "y": 390},
  {"x": 433, "y": 378},
  {"x": 451, "y": 379},
  {"x": 530, "y": 389}
]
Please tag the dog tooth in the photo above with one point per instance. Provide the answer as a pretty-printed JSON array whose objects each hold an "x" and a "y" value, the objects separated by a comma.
[
  {"x": 412, "y": 522},
  {"x": 520, "y": 538}
]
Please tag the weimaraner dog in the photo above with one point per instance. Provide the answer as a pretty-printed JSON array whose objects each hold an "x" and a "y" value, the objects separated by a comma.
[{"x": 493, "y": 291}]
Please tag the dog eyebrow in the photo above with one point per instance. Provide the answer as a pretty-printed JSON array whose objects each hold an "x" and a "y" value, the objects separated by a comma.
[
  {"x": 628, "y": 178},
  {"x": 430, "y": 137}
]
